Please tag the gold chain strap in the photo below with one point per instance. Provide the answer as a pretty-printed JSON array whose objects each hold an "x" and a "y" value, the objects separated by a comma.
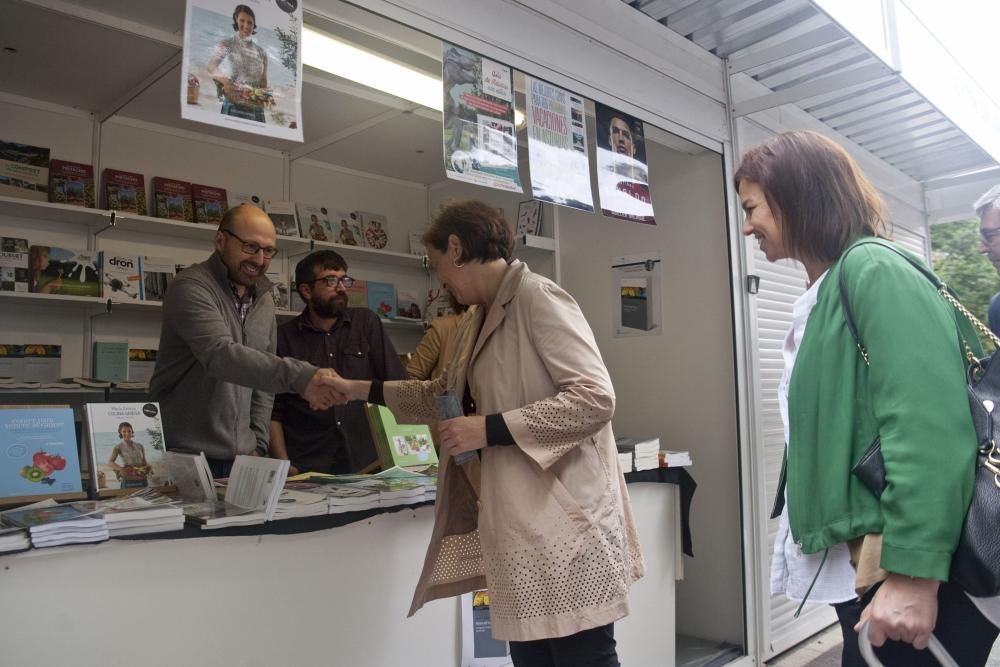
[{"x": 983, "y": 329}]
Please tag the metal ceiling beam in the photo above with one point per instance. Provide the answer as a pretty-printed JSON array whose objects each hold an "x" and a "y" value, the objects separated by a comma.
[
  {"x": 893, "y": 109},
  {"x": 330, "y": 139},
  {"x": 792, "y": 79},
  {"x": 894, "y": 139},
  {"x": 858, "y": 99},
  {"x": 916, "y": 118},
  {"x": 766, "y": 31},
  {"x": 720, "y": 24},
  {"x": 804, "y": 91},
  {"x": 985, "y": 178},
  {"x": 840, "y": 49},
  {"x": 825, "y": 35},
  {"x": 921, "y": 147}
]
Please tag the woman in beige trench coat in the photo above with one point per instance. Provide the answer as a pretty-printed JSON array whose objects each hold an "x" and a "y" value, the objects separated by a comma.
[{"x": 541, "y": 516}]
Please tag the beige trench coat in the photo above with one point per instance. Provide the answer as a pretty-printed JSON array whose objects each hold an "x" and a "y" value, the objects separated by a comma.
[{"x": 546, "y": 524}]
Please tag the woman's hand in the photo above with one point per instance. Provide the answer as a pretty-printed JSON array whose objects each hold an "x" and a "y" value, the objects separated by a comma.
[
  {"x": 904, "y": 609},
  {"x": 462, "y": 434}
]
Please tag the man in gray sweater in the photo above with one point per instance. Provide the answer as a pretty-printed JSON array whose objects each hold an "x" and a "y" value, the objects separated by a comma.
[{"x": 216, "y": 372}]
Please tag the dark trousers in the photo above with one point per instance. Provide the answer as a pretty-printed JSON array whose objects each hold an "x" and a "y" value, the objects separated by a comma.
[
  {"x": 963, "y": 631},
  {"x": 589, "y": 648},
  {"x": 220, "y": 467}
]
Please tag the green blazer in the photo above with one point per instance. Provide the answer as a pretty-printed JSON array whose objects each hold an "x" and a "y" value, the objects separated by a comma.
[{"x": 913, "y": 396}]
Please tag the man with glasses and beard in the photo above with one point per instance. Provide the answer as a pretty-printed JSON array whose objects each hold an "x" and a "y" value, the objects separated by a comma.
[
  {"x": 988, "y": 209},
  {"x": 350, "y": 341},
  {"x": 216, "y": 372}
]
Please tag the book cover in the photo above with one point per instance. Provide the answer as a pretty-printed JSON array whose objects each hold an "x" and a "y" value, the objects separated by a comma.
[
  {"x": 279, "y": 289},
  {"x": 126, "y": 447},
  {"x": 110, "y": 360},
  {"x": 357, "y": 294},
  {"x": 636, "y": 312},
  {"x": 382, "y": 299},
  {"x": 157, "y": 272},
  {"x": 121, "y": 276},
  {"x": 123, "y": 191},
  {"x": 255, "y": 483},
  {"x": 399, "y": 444},
  {"x": 42, "y": 362},
  {"x": 374, "y": 230},
  {"x": 172, "y": 199},
  {"x": 141, "y": 362},
  {"x": 39, "y": 454},
  {"x": 529, "y": 217},
  {"x": 191, "y": 474},
  {"x": 438, "y": 305},
  {"x": 282, "y": 214},
  {"x": 14, "y": 275},
  {"x": 417, "y": 247},
  {"x": 316, "y": 223},
  {"x": 24, "y": 171},
  {"x": 34, "y": 517},
  {"x": 12, "y": 362},
  {"x": 240, "y": 198},
  {"x": 71, "y": 183},
  {"x": 347, "y": 227},
  {"x": 210, "y": 204},
  {"x": 409, "y": 305},
  {"x": 64, "y": 271},
  {"x": 219, "y": 514}
]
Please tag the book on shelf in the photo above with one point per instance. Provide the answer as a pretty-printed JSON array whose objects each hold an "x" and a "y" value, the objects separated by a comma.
[
  {"x": 295, "y": 302},
  {"x": 210, "y": 204},
  {"x": 240, "y": 198},
  {"x": 14, "y": 276},
  {"x": 123, "y": 191},
  {"x": 51, "y": 525},
  {"x": 357, "y": 294},
  {"x": 672, "y": 459},
  {"x": 24, "y": 171},
  {"x": 316, "y": 223},
  {"x": 12, "y": 362},
  {"x": 172, "y": 199},
  {"x": 42, "y": 362},
  {"x": 282, "y": 214},
  {"x": 529, "y": 217},
  {"x": 645, "y": 451},
  {"x": 191, "y": 474},
  {"x": 121, "y": 276},
  {"x": 382, "y": 299},
  {"x": 141, "y": 362},
  {"x": 417, "y": 247},
  {"x": 438, "y": 305},
  {"x": 71, "y": 183},
  {"x": 60, "y": 384},
  {"x": 65, "y": 271},
  {"x": 409, "y": 304},
  {"x": 89, "y": 383},
  {"x": 374, "y": 230},
  {"x": 110, "y": 360},
  {"x": 399, "y": 445},
  {"x": 40, "y": 454},
  {"x": 157, "y": 272},
  {"x": 125, "y": 444},
  {"x": 347, "y": 228},
  {"x": 279, "y": 289}
]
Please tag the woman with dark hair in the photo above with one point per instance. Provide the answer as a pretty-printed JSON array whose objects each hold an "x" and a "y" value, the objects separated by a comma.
[
  {"x": 540, "y": 514},
  {"x": 881, "y": 556},
  {"x": 244, "y": 90},
  {"x": 133, "y": 471}
]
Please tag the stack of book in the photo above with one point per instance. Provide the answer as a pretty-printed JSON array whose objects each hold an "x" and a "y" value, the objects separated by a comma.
[
  {"x": 345, "y": 498},
  {"x": 645, "y": 452},
  {"x": 54, "y": 525},
  {"x": 295, "y": 503},
  {"x": 672, "y": 459},
  {"x": 139, "y": 514},
  {"x": 252, "y": 492},
  {"x": 13, "y": 538},
  {"x": 625, "y": 460},
  {"x": 220, "y": 514}
]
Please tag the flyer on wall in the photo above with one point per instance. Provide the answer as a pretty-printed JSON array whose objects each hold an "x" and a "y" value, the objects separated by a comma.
[
  {"x": 242, "y": 66},
  {"x": 622, "y": 174},
  {"x": 636, "y": 295},
  {"x": 479, "y": 648},
  {"x": 557, "y": 146},
  {"x": 480, "y": 145}
]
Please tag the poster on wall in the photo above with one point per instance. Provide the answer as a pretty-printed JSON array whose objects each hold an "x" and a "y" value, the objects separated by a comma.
[
  {"x": 636, "y": 295},
  {"x": 479, "y": 648},
  {"x": 622, "y": 174},
  {"x": 557, "y": 146},
  {"x": 480, "y": 144},
  {"x": 242, "y": 66}
]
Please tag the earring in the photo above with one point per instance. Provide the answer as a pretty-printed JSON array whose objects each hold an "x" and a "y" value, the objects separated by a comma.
[{"x": 456, "y": 263}]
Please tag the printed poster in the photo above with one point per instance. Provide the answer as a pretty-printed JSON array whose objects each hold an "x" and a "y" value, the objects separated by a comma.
[
  {"x": 480, "y": 144},
  {"x": 242, "y": 66},
  {"x": 479, "y": 648},
  {"x": 636, "y": 295},
  {"x": 557, "y": 146},
  {"x": 622, "y": 174}
]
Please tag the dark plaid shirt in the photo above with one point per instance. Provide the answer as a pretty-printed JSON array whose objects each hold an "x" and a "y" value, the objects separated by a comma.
[
  {"x": 338, "y": 439},
  {"x": 244, "y": 301}
]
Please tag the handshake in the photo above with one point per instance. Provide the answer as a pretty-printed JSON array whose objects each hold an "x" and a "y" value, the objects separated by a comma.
[{"x": 327, "y": 389}]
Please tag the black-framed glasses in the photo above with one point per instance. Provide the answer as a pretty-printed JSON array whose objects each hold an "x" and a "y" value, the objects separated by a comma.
[
  {"x": 987, "y": 235},
  {"x": 332, "y": 281},
  {"x": 251, "y": 248}
]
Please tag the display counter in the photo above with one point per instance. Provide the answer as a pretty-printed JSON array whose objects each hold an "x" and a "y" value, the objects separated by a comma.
[{"x": 332, "y": 596}]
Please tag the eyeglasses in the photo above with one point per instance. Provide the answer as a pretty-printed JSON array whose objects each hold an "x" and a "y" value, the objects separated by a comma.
[
  {"x": 331, "y": 281},
  {"x": 251, "y": 248},
  {"x": 987, "y": 234}
]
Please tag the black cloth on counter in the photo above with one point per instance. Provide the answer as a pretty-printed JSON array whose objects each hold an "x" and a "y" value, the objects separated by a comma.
[{"x": 682, "y": 478}]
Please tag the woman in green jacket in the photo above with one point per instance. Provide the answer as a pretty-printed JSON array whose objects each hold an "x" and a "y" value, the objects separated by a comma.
[{"x": 882, "y": 558}]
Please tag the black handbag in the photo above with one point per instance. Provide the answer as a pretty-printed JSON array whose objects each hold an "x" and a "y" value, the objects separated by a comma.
[{"x": 975, "y": 565}]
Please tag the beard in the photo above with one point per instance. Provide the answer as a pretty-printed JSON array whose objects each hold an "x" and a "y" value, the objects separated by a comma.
[
  {"x": 335, "y": 306},
  {"x": 240, "y": 277}
]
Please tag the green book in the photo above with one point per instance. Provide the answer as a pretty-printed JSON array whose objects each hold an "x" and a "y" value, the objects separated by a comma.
[
  {"x": 399, "y": 444},
  {"x": 111, "y": 360}
]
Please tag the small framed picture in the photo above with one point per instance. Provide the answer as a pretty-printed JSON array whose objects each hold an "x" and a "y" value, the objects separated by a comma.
[{"x": 529, "y": 217}]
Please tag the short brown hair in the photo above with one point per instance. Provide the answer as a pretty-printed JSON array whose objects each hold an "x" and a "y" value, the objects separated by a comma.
[
  {"x": 818, "y": 190},
  {"x": 484, "y": 234}
]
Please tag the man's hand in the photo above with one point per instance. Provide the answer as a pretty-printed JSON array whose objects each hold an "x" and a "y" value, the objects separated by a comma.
[
  {"x": 904, "y": 609},
  {"x": 347, "y": 390},
  {"x": 462, "y": 434},
  {"x": 319, "y": 394}
]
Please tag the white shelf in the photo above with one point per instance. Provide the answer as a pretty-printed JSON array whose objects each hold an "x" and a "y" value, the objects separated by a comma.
[
  {"x": 353, "y": 254},
  {"x": 95, "y": 302},
  {"x": 533, "y": 242},
  {"x": 53, "y": 390}
]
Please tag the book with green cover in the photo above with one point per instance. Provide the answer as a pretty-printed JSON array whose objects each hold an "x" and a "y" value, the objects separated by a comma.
[
  {"x": 111, "y": 360},
  {"x": 399, "y": 445}
]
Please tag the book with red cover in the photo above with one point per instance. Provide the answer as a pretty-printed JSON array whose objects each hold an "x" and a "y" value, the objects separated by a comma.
[
  {"x": 71, "y": 183},
  {"x": 210, "y": 204},
  {"x": 123, "y": 191},
  {"x": 172, "y": 199}
]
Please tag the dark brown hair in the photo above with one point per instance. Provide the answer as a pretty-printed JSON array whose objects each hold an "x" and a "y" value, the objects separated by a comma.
[
  {"x": 484, "y": 234},
  {"x": 817, "y": 190},
  {"x": 243, "y": 9},
  {"x": 314, "y": 262}
]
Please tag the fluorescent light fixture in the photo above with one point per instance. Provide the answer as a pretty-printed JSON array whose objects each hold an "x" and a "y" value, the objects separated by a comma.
[{"x": 353, "y": 63}]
